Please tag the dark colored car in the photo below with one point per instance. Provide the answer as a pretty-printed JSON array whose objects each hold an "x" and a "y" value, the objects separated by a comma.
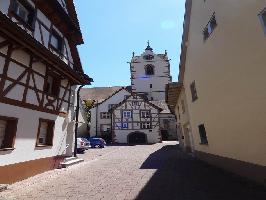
[
  {"x": 97, "y": 142},
  {"x": 87, "y": 143}
]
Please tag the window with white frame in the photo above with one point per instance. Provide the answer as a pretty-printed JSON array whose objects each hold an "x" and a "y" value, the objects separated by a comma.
[
  {"x": 127, "y": 114},
  {"x": 105, "y": 115},
  {"x": 125, "y": 125},
  {"x": 135, "y": 103},
  {"x": 145, "y": 125},
  {"x": 145, "y": 114},
  {"x": 262, "y": 17}
]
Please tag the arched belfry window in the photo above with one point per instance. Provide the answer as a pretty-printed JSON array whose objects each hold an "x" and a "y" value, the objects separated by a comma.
[{"x": 149, "y": 70}]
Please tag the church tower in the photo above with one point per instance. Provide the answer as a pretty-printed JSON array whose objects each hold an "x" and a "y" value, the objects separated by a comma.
[{"x": 150, "y": 73}]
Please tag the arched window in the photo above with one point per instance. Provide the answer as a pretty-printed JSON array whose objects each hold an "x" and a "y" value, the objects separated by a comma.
[{"x": 149, "y": 70}]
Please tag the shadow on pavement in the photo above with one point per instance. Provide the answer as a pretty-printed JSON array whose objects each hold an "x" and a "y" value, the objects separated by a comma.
[{"x": 182, "y": 177}]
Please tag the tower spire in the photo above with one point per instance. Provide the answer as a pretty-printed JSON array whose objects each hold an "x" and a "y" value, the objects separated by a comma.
[{"x": 148, "y": 47}]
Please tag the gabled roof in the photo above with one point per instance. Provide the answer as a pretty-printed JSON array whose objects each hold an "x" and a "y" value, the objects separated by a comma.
[
  {"x": 113, "y": 94},
  {"x": 98, "y": 94},
  {"x": 135, "y": 94},
  {"x": 163, "y": 105}
]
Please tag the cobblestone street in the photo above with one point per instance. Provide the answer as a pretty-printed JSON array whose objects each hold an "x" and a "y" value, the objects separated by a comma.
[{"x": 158, "y": 171}]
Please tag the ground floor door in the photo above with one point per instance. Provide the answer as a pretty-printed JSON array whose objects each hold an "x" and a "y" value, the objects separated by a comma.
[
  {"x": 187, "y": 139},
  {"x": 137, "y": 138}
]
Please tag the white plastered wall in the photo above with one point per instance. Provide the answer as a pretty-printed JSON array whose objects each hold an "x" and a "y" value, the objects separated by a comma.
[
  {"x": 103, "y": 107},
  {"x": 141, "y": 82},
  {"x": 26, "y": 135}
]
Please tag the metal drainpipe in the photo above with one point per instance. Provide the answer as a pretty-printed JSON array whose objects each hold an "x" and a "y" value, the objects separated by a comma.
[
  {"x": 96, "y": 133},
  {"x": 77, "y": 119}
]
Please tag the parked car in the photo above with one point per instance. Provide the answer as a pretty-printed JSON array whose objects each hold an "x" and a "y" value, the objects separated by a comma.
[
  {"x": 87, "y": 143},
  {"x": 97, "y": 142},
  {"x": 80, "y": 145}
]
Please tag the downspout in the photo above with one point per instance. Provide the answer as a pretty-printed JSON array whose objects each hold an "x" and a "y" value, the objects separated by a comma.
[
  {"x": 111, "y": 126},
  {"x": 77, "y": 120},
  {"x": 96, "y": 133}
]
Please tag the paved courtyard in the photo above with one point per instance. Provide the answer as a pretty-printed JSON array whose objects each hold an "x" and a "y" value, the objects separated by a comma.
[{"x": 159, "y": 171}]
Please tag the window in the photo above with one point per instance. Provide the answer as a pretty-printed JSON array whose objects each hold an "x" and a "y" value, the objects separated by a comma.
[
  {"x": 125, "y": 125},
  {"x": 150, "y": 85},
  {"x": 262, "y": 17},
  {"x": 45, "y": 133},
  {"x": 52, "y": 86},
  {"x": 127, "y": 114},
  {"x": 110, "y": 106},
  {"x": 145, "y": 113},
  {"x": 56, "y": 41},
  {"x": 148, "y": 57},
  {"x": 118, "y": 125},
  {"x": 126, "y": 96},
  {"x": 105, "y": 127},
  {"x": 193, "y": 91},
  {"x": 8, "y": 129},
  {"x": 207, "y": 31},
  {"x": 24, "y": 11},
  {"x": 203, "y": 136},
  {"x": 145, "y": 125},
  {"x": 105, "y": 115},
  {"x": 135, "y": 103},
  {"x": 149, "y": 70},
  {"x": 183, "y": 106}
]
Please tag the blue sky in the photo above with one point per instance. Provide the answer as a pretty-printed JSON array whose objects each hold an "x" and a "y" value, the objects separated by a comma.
[{"x": 113, "y": 29}]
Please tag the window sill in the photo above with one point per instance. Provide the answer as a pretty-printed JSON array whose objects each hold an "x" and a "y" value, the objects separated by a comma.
[
  {"x": 58, "y": 51},
  {"x": 43, "y": 145},
  {"x": 204, "y": 143},
  {"x": 7, "y": 149}
]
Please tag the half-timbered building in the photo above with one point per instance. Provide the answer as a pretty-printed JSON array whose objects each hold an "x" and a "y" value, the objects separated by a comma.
[
  {"x": 100, "y": 115},
  {"x": 135, "y": 120},
  {"x": 39, "y": 71}
]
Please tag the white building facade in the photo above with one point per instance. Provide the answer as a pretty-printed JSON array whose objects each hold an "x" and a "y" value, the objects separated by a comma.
[
  {"x": 100, "y": 115},
  {"x": 135, "y": 120},
  {"x": 150, "y": 73},
  {"x": 39, "y": 72}
]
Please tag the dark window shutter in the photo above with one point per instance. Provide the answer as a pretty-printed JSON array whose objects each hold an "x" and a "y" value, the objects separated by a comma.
[
  {"x": 50, "y": 133},
  {"x": 10, "y": 134},
  {"x": 263, "y": 16},
  {"x": 203, "y": 136},
  {"x": 55, "y": 87}
]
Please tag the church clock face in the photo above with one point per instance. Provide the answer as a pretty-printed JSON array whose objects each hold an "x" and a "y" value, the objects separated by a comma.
[{"x": 148, "y": 57}]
